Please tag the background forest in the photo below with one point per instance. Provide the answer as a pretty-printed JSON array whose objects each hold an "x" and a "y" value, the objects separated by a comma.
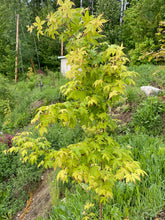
[
  {"x": 137, "y": 30},
  {"x": 138, "y": 25}
]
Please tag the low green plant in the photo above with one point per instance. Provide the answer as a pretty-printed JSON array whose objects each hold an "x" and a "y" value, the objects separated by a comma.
[
  {"x": 16, "y": 182},
  {"x": 6, "y": 99},
  {"x": 132, "y": 95},
  {"x": 61, "y": 137},
  {"x": 17, "y": 112},
  {"x": 145, "y": 199},
  {"x": 148, "y": 116}
]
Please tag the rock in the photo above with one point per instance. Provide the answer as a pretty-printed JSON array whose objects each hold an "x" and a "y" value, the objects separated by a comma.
[{"x": 150, "y": 90}]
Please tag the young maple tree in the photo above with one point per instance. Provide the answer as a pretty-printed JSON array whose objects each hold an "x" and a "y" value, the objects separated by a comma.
[{"x": 98, "y": 77}]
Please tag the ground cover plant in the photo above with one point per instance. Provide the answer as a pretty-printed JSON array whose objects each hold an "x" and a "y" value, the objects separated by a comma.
[{"x": 17, "y": 180}]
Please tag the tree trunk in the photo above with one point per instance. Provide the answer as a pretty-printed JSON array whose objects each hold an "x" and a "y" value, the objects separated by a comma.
[{"x": 121, "y": 12}]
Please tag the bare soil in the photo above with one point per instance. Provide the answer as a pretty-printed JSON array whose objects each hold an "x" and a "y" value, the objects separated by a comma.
[{"x": 39, "y": 203}]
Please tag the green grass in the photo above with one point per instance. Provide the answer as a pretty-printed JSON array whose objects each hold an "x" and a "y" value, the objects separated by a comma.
[{"x": 149, "y": 74}]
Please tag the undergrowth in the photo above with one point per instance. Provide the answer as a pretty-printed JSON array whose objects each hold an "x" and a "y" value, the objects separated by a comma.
[
  {"x": 140, "y": 201},
  {"x": 144, "y": 134},
  {"x": 17, "y": 180}
]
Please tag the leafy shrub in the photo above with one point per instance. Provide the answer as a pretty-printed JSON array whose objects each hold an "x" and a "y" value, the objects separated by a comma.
[
  {"x": 73, "y": 206},
  {"x": 160, "y": 54},
  {"x": 148, "y": 116},
  {"x": 6, "y": 99},
  {"x": 147, "y": 51},
  {"x": 16, "y": 181},
  {"x": 138, "y": 55},
  {"x": 135, "y": 201}
]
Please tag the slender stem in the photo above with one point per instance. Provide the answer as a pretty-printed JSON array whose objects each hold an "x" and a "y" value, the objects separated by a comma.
[
  {"x": 86, "y": 190},
  {"x": 101, "y": 204},
  {"x": 101, "y": 208}
]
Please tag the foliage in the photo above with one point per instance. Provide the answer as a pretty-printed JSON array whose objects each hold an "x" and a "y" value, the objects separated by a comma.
[
  {"x": 111, "y": 12},
  {"x": 43, "y": 53},
  {"x": 137, "y": 55},
  {"x": 144, "y": 200},
  {"x": 132, "y": 95},
  {"x": 98, "y": 76},
  {"x": 74, "y": 206},
  {"x": 147, "y": 51},
  {"x": 160, "y": 56},
  {"x": 148, "y": 116},
  {"x": 61, "y": 137},
  {"x": 141, "y": 21},
  {"x": 6, "y": 100},
  {"x": 8, "y": 37}
]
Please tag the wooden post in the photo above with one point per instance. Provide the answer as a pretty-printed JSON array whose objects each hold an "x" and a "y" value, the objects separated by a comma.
[
  {"x": 16, "y": 60},
  {"x": 33, "y": 66},
  {"x": 62, "y": 48}
]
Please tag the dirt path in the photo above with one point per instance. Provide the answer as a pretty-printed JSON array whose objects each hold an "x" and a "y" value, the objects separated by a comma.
[{"x": 39, "y": 202}]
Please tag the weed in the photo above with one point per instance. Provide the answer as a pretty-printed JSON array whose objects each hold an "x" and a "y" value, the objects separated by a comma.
[
  {"x": 133, "y": 95},
  {"x": 148, "y": 116}
]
